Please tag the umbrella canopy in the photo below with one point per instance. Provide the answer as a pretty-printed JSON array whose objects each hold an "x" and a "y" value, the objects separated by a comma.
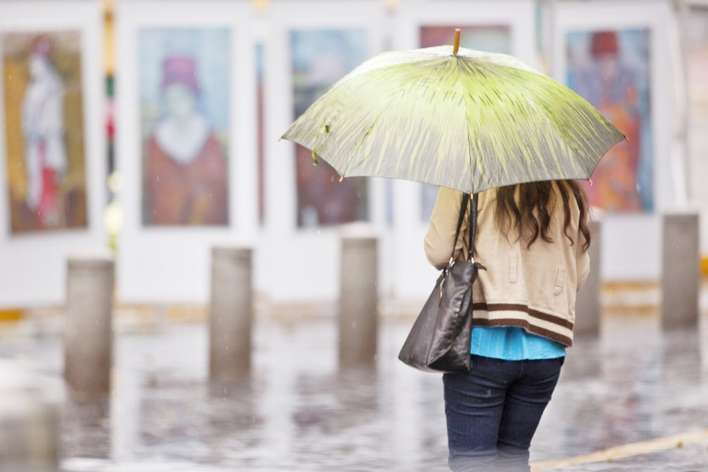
[{"x": 469, "y": 120}]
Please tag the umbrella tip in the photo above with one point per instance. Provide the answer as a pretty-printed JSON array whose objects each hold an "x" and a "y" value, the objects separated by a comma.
[{"x": 456, "y": 46}]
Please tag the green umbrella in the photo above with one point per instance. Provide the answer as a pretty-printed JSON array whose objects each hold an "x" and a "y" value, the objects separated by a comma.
[{"x": 459, "y": 118}]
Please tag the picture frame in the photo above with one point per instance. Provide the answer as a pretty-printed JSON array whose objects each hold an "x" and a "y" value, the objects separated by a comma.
[
  {"x": 52, "y": 146},
  {"x": 292, "y": 246},
  {"x": 166, "y": 259},
  {"x": 633, "y": 236}
]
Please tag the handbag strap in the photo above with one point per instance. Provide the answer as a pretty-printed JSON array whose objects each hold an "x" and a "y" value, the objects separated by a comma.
[
  {"x": 463, "y": 210},
  {"x": 472, "y": 225}
]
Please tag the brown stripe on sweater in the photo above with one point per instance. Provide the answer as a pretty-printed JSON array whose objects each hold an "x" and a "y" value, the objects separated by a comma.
[
  {"x": 565, "y": 340},
  {"x": 491, "y": 307}
]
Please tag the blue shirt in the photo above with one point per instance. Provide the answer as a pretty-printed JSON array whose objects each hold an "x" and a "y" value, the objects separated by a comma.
[{"x": 513, "y": 344}]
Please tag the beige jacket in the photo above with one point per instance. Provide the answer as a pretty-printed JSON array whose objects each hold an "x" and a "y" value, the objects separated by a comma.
[{"x": 533, "y": 288}]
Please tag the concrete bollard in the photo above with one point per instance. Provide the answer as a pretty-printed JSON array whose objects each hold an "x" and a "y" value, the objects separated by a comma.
[
  {"x": 88, "y": 335},
  {"x": 230, "y": 313},
  {"x": 680, "y": 281},
  {"x": 588, "y": 306},
  {"x": 29, "y": 420},
  {"x": 358, "y": 298}
]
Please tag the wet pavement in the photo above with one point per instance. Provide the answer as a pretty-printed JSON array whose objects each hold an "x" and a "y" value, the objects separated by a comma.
[{"x": 297, "y": 411}]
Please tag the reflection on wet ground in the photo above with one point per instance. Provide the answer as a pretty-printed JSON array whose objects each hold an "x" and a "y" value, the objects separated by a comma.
[{"x": 297, "y": 411}]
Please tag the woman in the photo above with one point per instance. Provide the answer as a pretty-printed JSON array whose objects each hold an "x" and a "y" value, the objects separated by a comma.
[{"x": 533, "y": 240}]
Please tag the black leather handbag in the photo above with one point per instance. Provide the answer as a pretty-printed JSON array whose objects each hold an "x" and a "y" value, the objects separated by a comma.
[{"x": 440, "y": 338}]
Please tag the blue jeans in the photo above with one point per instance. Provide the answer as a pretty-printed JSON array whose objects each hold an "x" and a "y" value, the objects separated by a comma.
[{"x": 493, "y": 411}]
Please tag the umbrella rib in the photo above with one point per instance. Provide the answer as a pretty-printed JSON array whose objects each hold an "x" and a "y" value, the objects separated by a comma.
[
  {"x": 465, "y": 94},
  {"x": 469, "y": 155}
]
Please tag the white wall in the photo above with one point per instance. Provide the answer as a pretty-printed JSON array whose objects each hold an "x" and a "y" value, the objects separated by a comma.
[{"x": 292, "y": 264}]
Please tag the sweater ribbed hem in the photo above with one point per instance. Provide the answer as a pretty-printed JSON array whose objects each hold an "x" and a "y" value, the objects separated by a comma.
[{"x": 521, "y": 316}]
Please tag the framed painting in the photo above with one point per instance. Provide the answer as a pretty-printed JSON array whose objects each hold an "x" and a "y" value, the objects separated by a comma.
[
  {"x": 52, "y": 152},
  {"x": 311, "y": 45},
  {"x": 185, "y": 145},
  {"x": 610, "y": 68},
  {"x": 616, "y": 56},
  {"x": 46, "y": 167},
  {"x": 320, "y": 57},
  {"x": 184, "y": 114}
]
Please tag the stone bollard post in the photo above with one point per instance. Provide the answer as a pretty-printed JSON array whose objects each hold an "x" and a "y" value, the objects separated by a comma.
[
  {"x": 588, "y": 307},
  {"x": 230, "y": 313},
  {"x": 680, "y": 280},
  {"x": 88, "y": 334},
  {"x": 358, "y": 298},
  {"x": 29, "y": 421}
]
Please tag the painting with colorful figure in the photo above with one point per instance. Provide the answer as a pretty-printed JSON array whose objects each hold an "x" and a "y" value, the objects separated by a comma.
[
  {"x": 319, "y": 59},
  {"x": 44, "y": 130},
  {"x": 184, "y": 103},
  {"x": 611, "y": 70}
]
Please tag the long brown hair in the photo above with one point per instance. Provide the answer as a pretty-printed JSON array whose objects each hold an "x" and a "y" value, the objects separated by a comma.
[{"x": 531, "y": 216}]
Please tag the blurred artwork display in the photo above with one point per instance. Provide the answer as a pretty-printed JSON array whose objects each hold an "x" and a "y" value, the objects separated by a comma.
[
  {"x": 44, "y": 129},
  {"x": 319, "y": 59},
  {"x": 184, "y": 104},
  {"x": 610, "y": 69},
  {"x": 488, "y": 38}
]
